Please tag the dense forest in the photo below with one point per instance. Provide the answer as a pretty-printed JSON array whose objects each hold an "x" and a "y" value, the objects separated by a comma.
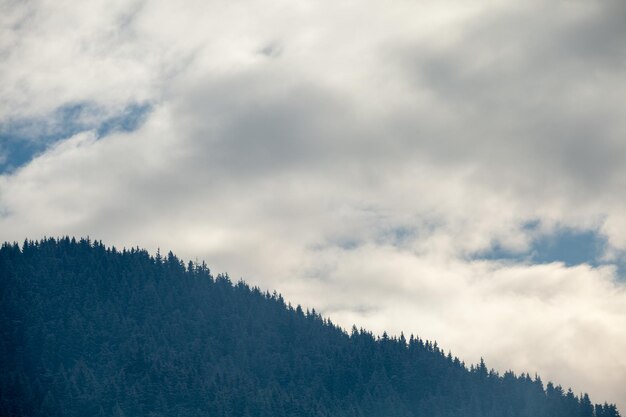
[{"x": 89, "y": 330}]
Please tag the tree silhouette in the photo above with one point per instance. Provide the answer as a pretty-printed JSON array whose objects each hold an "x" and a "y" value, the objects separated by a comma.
[{"x": 91, "y": 330}]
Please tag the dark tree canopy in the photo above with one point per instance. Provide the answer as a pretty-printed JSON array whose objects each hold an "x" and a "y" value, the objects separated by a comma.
[{"x": 93, "y": 331}]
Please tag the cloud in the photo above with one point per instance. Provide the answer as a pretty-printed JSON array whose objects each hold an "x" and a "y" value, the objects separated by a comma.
[{"x": 360, "y": 172}]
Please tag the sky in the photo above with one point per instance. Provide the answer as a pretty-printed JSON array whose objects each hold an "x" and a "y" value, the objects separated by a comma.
[{"x": 450, "y": 169}]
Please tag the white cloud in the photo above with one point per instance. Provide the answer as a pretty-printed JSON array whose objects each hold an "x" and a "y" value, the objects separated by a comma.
[{"x": 353, "y": 156}]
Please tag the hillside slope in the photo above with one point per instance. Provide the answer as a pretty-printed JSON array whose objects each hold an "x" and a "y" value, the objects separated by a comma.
[{"x": 89, "y": 330}]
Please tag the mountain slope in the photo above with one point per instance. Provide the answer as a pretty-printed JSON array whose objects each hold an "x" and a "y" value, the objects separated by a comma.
[{"x": 89, "y": 330}]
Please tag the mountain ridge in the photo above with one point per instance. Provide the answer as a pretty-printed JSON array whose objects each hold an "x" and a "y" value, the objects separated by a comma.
[{"x": 92, "y": 330}]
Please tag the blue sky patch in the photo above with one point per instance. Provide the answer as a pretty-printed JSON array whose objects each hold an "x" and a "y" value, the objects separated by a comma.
[
  {"x": 23, "y": 139},
  {"x": 570, "y": 246}
]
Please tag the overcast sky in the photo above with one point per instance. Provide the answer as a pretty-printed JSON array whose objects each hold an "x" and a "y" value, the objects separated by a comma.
[{"x": 450, "y": 169}]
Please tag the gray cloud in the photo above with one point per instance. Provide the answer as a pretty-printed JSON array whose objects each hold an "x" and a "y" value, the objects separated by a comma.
[{"x": 356, "y": 171}]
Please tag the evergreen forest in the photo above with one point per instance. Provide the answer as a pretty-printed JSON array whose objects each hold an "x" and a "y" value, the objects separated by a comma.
[{"x": 91, "y": 330}]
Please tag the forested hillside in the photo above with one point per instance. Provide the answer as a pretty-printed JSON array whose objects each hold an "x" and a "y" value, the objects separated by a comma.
[{"x": 94, "y": 331}]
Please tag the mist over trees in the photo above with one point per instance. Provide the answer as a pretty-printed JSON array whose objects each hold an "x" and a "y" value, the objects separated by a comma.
[{"x": 89, "y": 330}]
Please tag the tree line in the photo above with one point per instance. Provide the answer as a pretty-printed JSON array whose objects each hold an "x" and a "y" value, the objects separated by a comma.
[{"x": 90, "y": 330}]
